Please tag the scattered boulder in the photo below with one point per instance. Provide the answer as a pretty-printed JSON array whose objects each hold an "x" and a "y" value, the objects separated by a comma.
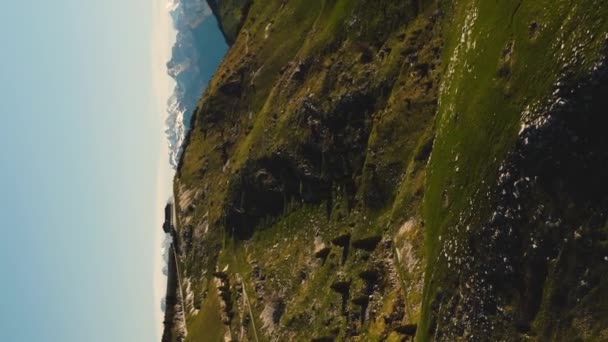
[
  {"x": 361, "y": 300},
  {"x": 370, "y": 275},
  {"x": 367, "y": 56},
  {"x": 220, "y": 275},
  {"x": 533, "y": 29},
  {"x": 223, "y": 287},
  {"x": 425, "y": 150},
  {"x": 322, "y": 253},
  {"x": 300, "y": 71},
  {"x": 321, "y": 249},
  {"x": 343, "y": 241},
  {"x": 341, "y": 285},
  {"x": 271, "y": 315}
]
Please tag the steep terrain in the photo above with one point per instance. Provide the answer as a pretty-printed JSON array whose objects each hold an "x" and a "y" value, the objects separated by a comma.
[{"x": 395, "y": 170}]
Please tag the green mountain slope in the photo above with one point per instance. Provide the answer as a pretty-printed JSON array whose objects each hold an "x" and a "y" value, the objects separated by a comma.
[{"x": 391, "y": 170}]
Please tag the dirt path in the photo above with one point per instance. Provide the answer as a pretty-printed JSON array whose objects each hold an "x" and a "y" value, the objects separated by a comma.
[{"x": 179, "y": 277}]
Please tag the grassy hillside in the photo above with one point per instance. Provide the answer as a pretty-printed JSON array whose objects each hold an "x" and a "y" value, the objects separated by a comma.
[
  {"x": 358, "y": 170},
  {"x": 492, "y": 204}
]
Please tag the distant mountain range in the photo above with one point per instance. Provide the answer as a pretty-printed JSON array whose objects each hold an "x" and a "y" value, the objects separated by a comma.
[{"x": 198, "y": 50}]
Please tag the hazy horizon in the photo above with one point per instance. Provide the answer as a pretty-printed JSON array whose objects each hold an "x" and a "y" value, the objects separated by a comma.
[
  {"x": 85, "y": 169},
  {"x": 162, "y": 40}
]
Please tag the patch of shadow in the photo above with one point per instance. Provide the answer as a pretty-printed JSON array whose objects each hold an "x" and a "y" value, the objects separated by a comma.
[
  {"x": 343, "y": 241},
  {"x": 407, "y": 329},
  {"x": 368, "y": 243},
  {"x": 342, "y": 286}
]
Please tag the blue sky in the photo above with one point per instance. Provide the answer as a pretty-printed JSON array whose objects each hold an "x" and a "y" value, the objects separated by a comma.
[{"x": 83, "y": 168}]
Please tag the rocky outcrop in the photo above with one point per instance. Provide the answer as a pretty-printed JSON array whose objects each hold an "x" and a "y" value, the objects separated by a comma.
[
  {"x": 543, "y": 212},
  {"x": 222, "y": 283}
]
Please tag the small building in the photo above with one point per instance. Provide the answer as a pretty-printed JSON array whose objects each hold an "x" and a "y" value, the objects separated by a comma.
[{"x": 168, "y": 224}]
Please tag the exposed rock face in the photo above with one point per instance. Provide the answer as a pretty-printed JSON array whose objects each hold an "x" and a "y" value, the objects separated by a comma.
[
  {"x": 389, "y": 170},
  {"x": 549, "y": 206}
]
